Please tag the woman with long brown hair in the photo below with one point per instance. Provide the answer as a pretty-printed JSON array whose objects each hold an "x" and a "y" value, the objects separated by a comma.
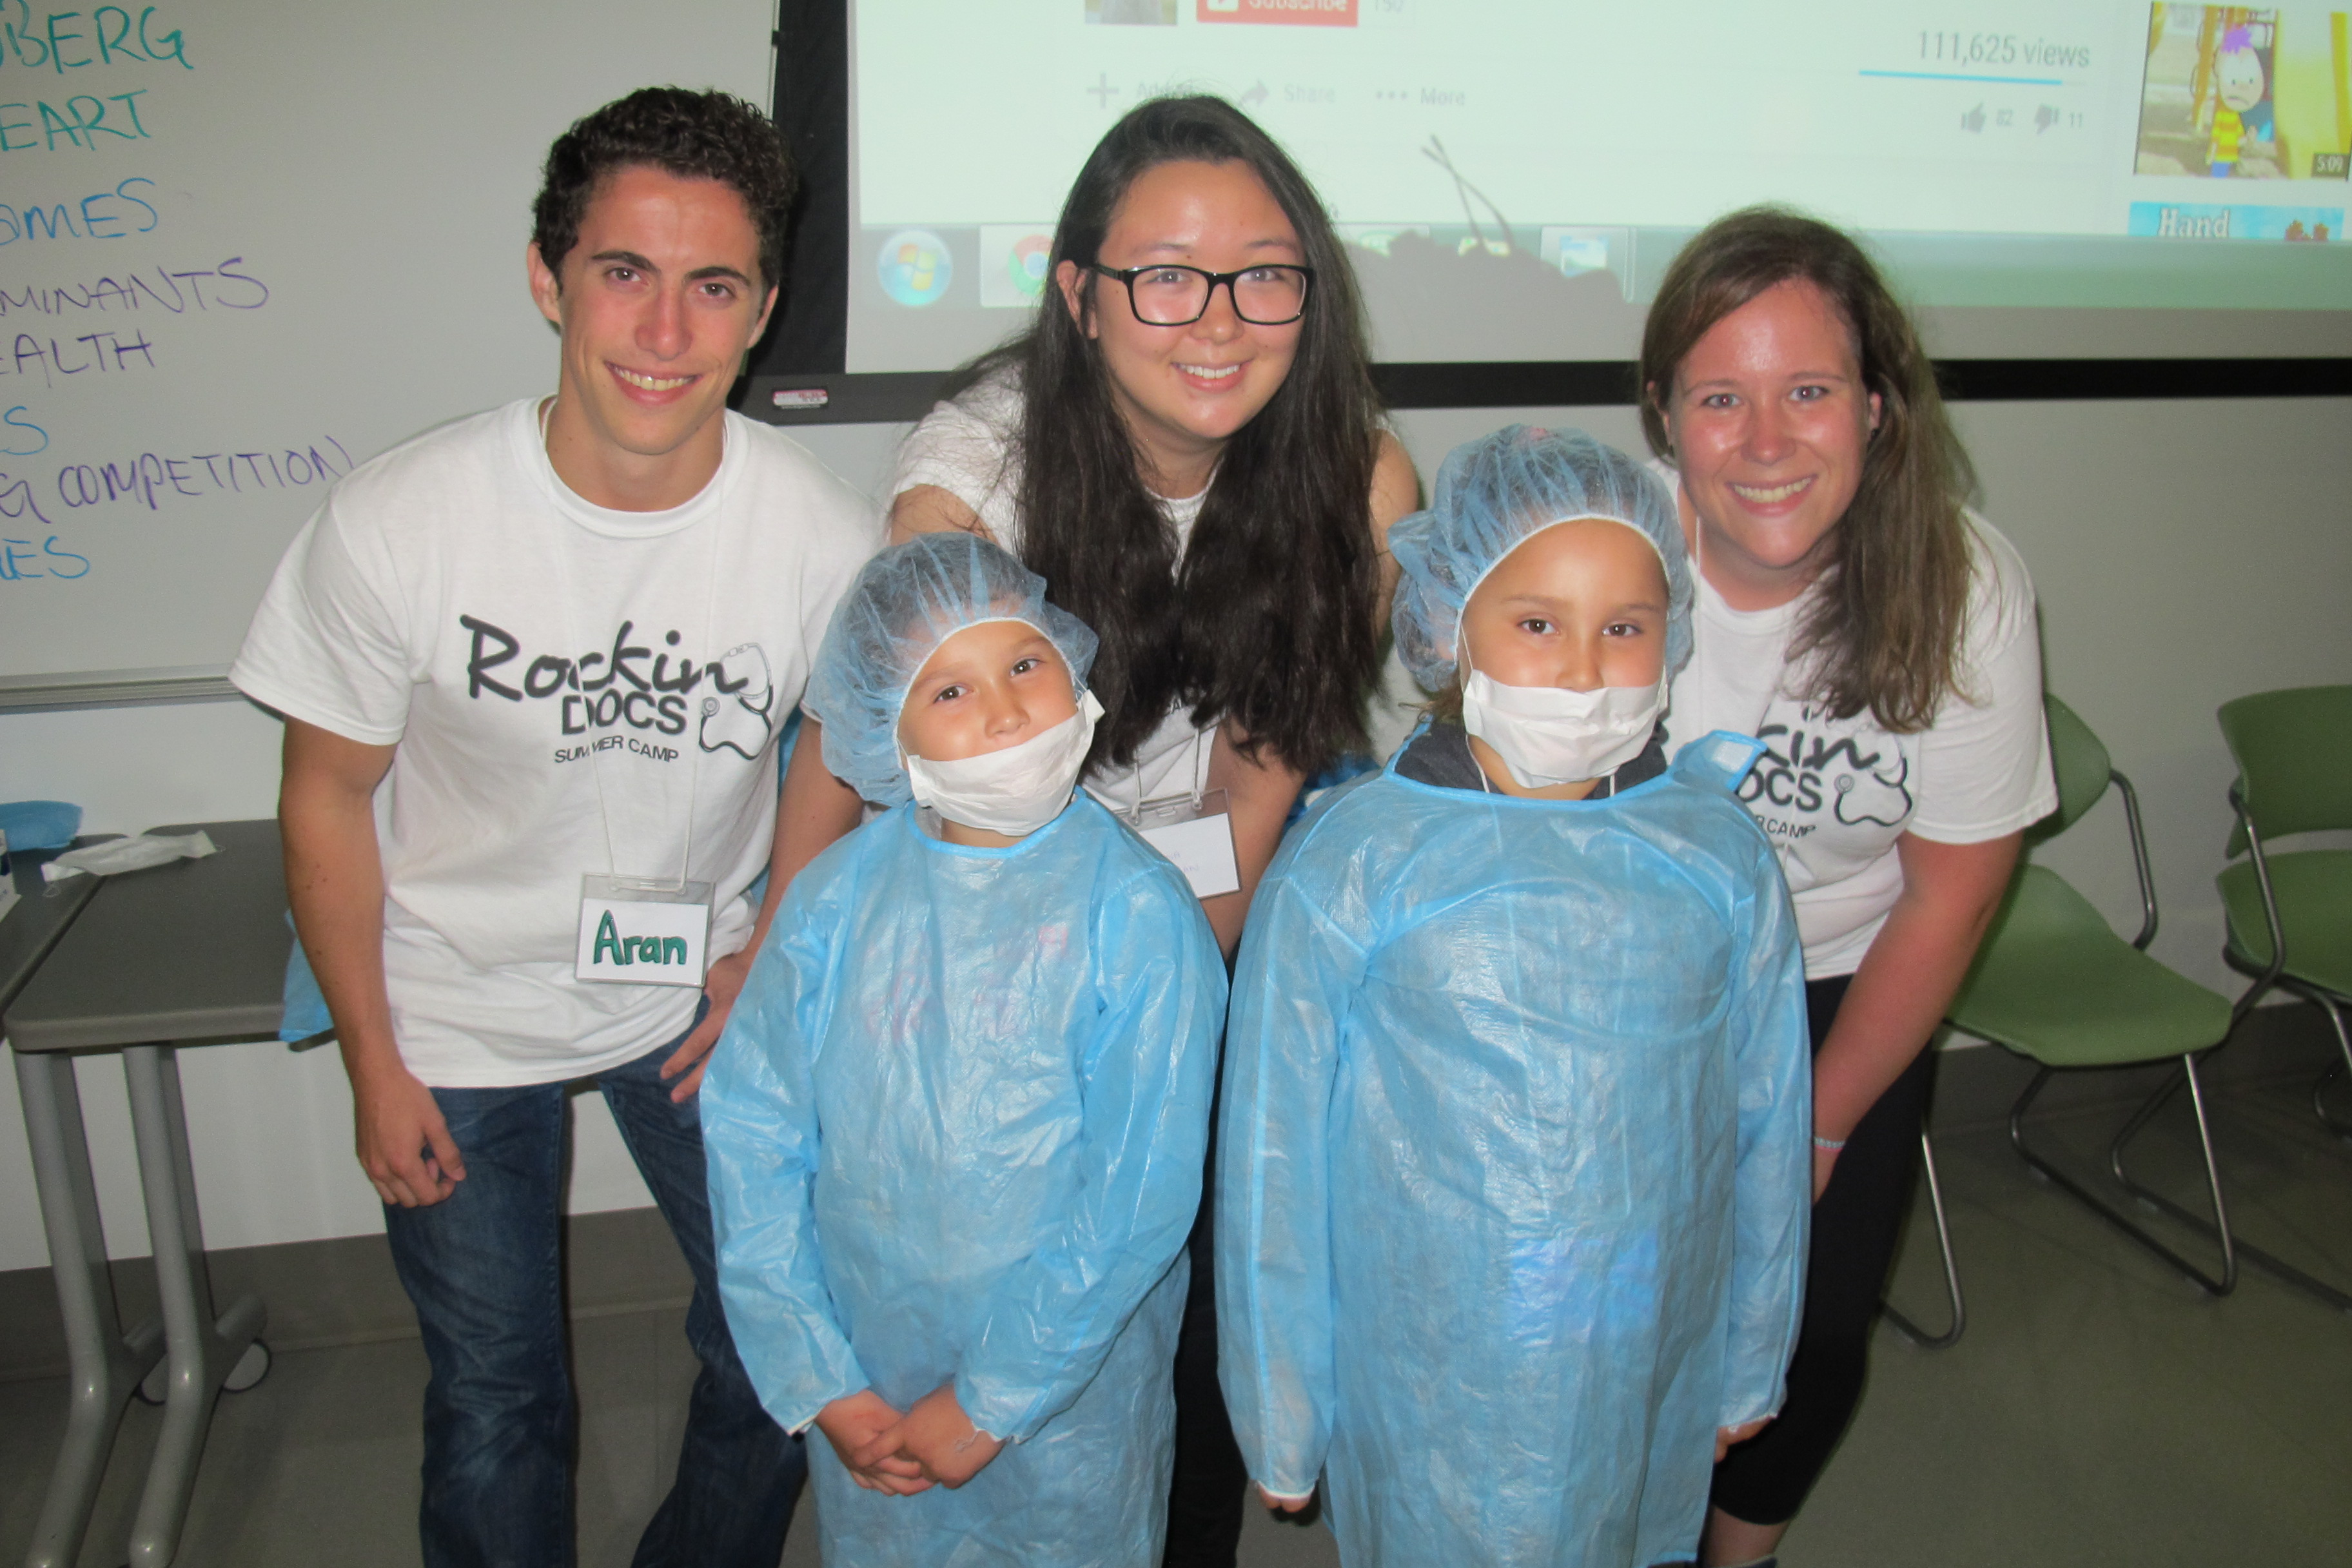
[
  {"x": 1879, "y": 637},
  {"x": 1186, "y": 445}
]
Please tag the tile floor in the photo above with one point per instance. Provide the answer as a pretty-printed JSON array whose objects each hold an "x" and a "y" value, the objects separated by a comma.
[{"x": 2098, "y": 1412}]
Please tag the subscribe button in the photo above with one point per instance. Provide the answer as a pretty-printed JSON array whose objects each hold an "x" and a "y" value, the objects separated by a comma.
[{"x": 1280, "y": 12}]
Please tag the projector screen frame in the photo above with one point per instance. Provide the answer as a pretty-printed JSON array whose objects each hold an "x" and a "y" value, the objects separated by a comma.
[{"x": 796, "y": 375}]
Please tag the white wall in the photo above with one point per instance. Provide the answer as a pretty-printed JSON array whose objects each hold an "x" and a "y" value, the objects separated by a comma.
[{"x": 2185, "y": 552}]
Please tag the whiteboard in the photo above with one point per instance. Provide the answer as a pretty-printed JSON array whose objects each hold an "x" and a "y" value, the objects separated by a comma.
[{"x": 245, "y": 245}]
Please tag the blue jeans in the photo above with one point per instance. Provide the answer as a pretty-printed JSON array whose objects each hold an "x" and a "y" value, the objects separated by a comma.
[{"x": 485, "y": 1269}]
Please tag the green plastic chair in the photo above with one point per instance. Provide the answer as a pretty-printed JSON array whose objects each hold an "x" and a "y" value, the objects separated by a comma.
[
  {"x": 2053, "y": 983},
  {"x": 2290, "y": 916}
]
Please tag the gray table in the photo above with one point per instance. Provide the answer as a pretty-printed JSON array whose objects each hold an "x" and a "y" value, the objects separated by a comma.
[{"x": 192, "y": 953}]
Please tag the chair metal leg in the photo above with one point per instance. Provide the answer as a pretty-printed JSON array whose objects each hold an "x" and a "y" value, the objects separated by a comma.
[
  {"x": 2212, "y": 1285},
  {"x": 2275, "y": 973},
  {"x": 2336, "y": 1070},
  {"x": 1905, "y": 1326},
  {"x": 2320, "y": 1101},
  {"x": 2270, "y": 1263}
]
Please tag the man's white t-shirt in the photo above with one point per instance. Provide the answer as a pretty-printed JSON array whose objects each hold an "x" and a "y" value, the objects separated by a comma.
[
  {"x": 1834, "y": 794},
  {"x": 970, "y": 449},
  {"x": 573, "y": 690}
]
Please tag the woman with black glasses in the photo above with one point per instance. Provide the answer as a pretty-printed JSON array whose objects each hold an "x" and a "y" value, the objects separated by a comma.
[{"x": 1187, "y": 447}]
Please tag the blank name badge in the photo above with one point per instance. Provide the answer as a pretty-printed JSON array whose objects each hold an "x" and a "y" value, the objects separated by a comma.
[
  {"x": 637, "y": 930},
  {"x": 1198, "y": 836}
]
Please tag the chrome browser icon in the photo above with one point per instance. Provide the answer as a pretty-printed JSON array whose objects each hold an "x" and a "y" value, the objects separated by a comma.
[
  {"x": 1026, "y": 266},
  {"x": 1012, "y": 258},
  {"x": 914, "y": 266}
]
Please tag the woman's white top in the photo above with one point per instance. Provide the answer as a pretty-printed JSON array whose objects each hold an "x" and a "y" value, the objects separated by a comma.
[
  {"x": 970, "y": 449},
  {"x": 1834, "y": 794}
]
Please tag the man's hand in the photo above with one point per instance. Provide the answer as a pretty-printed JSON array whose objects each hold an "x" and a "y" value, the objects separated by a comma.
[
  {"x": 863, "y": 1428},
  {"x": 1283, "y": 1507},
  {"x": 404, "y": 1145},
  {"x": 722, "y": 982},
  {"x": 940, "y": 1437},
  {"x": 1729, "y": 1437}
]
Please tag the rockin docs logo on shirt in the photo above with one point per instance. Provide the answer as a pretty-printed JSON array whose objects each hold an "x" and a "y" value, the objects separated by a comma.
[
  {"x": 1819, "y": 773},
  {"x": 635, "y": 685}
]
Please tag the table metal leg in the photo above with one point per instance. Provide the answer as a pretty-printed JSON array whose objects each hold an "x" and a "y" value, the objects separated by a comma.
[
  {"x": 106, "y": 1364},
  {"x": 204, "y": 1352}
]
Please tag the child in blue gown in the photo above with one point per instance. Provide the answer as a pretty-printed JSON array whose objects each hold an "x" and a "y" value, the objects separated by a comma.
[
  {"x": 956, "y": 1122},
  {"x": 1513, "y": 1176}
]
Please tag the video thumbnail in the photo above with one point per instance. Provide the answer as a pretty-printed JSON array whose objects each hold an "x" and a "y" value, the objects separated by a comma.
[
  {"x": 2220, "y": 220},
  {"x": 1131, "y": 12},
  {"x": 2237, "y": 92}
]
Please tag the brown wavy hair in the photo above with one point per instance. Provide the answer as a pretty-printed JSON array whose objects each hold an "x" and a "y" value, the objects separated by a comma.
[
  {"x": 1885, "y": 628},
  {"x": 1269, "y": 617}
]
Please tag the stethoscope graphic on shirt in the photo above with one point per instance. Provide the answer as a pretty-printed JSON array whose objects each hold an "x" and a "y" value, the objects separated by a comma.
[{"x": 740, "y": 720}]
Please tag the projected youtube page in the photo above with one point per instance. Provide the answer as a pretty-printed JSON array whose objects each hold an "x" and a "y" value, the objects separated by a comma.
[{"x": 2027, "y": 156}]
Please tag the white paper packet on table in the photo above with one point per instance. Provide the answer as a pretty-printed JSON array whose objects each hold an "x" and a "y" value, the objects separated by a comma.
[{"x": 134, "y": 854}]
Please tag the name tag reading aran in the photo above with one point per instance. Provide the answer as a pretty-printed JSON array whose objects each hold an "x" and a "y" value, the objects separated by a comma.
[
  {"x": 1198, "y": 836},
  {"x": 637, "y": 931}
]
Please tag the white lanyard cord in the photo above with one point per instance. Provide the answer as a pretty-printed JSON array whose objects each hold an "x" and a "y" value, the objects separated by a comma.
[
  {"x": 596, "y": 753},
  {"x": 1698, "y": 598},
  {"x": 1198, "y": 790},
  {"x": 1695, "y": 669}
]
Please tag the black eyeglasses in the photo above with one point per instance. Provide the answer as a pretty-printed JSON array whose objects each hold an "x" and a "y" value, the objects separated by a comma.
[{"x": 1170, "y": 296}]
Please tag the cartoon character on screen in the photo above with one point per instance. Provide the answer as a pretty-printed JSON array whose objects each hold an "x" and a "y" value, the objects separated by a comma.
[{"x": 2242, "y": 109}]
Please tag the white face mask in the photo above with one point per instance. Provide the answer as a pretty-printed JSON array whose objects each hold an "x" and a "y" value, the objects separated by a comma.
[
  {"x": 1016, "y": 791},
  {"x": 1549, "y": 735}
]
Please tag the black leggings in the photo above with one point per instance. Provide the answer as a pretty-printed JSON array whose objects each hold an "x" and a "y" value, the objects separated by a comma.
[
  {"x": 1206, "y": 1492},
  {"x": 1857, "y": 1223}
]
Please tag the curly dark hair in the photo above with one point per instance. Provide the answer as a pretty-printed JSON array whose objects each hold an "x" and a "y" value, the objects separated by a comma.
[
  {"x": 1270, "y": 617},
  {"x": 694, "y": 135}
]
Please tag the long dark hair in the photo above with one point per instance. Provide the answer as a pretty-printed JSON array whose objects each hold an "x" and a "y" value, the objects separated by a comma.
[
  {"x": 1268, "y": 621},
  {"x": 1885, "y": 632}
]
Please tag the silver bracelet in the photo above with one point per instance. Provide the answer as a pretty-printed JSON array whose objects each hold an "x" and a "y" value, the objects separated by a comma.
[{"x": 1832, "y": 1144}]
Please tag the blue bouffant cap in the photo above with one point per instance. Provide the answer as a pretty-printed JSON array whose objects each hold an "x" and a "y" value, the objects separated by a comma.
[
  {"x": 1491, "y": 495},
  {"x": 906, "y": 602}
]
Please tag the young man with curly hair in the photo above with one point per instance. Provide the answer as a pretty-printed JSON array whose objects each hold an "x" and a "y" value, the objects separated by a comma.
[{"x": 533, "y": 664}]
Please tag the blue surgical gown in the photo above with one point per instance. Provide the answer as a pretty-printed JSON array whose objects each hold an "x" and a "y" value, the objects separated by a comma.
[
  {"x": 955, "y": 1129},
  {"x": 1514, "y": 1175}
]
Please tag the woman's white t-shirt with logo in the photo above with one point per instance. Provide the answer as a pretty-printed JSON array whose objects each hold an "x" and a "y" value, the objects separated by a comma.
[
  {"x": 571, "y": 690},
  {"x": 970, "y": 449},
  {"x": 1834, "y": 794}
]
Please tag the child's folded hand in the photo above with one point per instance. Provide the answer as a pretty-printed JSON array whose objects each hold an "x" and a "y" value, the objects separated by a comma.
[
  {"x": 1282, "y": 1507},
  {"x": 1729, "y": 1437},
  {"x": 864, "y": 1430},
  {"x": 940, "y": 1437}
]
